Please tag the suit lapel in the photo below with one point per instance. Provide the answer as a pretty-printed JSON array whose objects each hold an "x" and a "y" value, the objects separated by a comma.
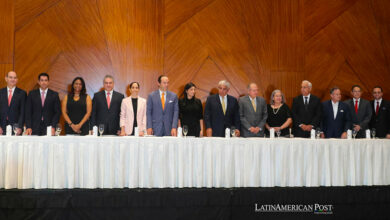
[{"x": 219, "y": 103}]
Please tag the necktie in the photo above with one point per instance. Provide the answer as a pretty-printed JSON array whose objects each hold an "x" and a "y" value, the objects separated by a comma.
[
  {"x": 108, "y": 100},
  {"x": 253, "y": 104},
  {"x": 163, "y": 100},
  {"x": 356, "y": 106},
  {"x": 377, "y": 108},
  {"x": 9, "y": 97},
  {"x": 306, "y": 103},
  {"x": 43, "y": 98},
  {"x": 223, "y": 106}
]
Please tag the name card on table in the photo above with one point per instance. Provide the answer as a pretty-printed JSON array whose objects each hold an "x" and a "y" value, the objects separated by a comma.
[
  {"x": 136, "y": 132},
  {"x": 272, "y": 133},
  {"x": 313, "y": 134},
  {"x": 368, "y": 134},
  {"x": 9, "y": 130},
  {"x": 227, "y": 133},
  {"x": 349, "y": 134},
  {"x": 179, "y": 132},
  {"x": 48, "y": 131},
  {"x": 95, "y": 131}
]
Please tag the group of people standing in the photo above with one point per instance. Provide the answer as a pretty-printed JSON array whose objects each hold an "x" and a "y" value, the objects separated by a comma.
[{"x": 162, "y": 112}]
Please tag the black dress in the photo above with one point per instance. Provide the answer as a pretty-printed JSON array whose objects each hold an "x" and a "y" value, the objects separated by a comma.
[
  {"x": 134, "y": 102},
  {"x": 76, "y": 111},
  {"x": 190, "y": 112},
  {"x": 278, "y": 119}
]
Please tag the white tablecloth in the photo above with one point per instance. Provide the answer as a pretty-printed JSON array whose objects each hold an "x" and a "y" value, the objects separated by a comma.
[{"x": 118, "y": 162}]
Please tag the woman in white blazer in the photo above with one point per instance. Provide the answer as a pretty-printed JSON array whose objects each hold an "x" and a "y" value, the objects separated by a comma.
[{"x": 133, "y": 107}]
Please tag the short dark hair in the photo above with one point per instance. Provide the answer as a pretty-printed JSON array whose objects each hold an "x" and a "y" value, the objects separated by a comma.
[
  {"x": 159, "y": 78},
  {"x": 333, "y": 89},
  {"x": 378, "y": 87},
  {"x": 131, "y": 84},
  {"x": 354, "y": 86},
  {"x": 83, "y": 89},
  {"x": 43, "y": 74}
]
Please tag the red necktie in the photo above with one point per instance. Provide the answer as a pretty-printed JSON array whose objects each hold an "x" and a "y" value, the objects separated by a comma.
[
  {"x": 356, "y": 106},
  {"x": 9, "y": 97},
  {"x": 108, "y": 99},
  {"x": 377, "y": 108}
]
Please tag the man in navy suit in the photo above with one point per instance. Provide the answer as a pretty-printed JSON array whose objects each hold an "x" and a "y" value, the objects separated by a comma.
[
  {"x": 221, "y": 112},
  {"x": 43, "y": 108},
  {"x": 380, "y": 120},
  {"x": 106, "y": 107},
  {"x": 12, "y": 103},
  {"x": 306, "y": 111},
  {"x": 162, "y": 110},
  {"x": 336, "y": 120}
]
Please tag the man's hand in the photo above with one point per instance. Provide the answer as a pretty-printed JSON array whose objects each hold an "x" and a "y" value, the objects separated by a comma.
[
  {"x": 344, "y": 135},
  {"x": 28, "y": 131},
  {"x": 209, "y": 132},
  {"x": 149, "y": 131},
  {"x": 237, "y": 133},
  {"x": 174, "y": 132},
  {"x": 18, "y": 131},
  {"x": 53, "y": 131},
  {"x": 356, "y": 128},
  {"x": 1, "y": 131},
  {"x": 388, "y": 136}
]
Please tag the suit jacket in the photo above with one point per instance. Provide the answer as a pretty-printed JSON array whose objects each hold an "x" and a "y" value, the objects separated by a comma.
[
  {"x": 162, "y": 121},
  {"x": 14, "y": 112},
  {"x": 216, "y": 120},
  {"x": 101, "y": 114},
  {"x": 381, "y": 122},
  {"x": 50, "y": 112},
  {"x": 250, "y": 118},
  {"x": 127, "y": 114},
  {"x": 363, "y": 116},
  {"x": 311, "y": 115},
  {"x": 334, "y": 127}
]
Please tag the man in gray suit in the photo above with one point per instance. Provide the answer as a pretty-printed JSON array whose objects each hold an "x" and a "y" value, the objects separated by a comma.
[
  {"x": 360, "y": 111},
  {"x": 253, "y": 113},
  {"x": 162, "y": 110}
]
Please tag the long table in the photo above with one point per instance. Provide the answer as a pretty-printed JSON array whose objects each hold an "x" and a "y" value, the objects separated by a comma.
[{"x": 68, "y": 162}]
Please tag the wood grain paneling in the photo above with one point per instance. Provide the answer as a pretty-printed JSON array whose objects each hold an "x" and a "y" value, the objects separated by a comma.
[
  {"x": 6, "y": 31},
  {"x": 273, "y": 43}
]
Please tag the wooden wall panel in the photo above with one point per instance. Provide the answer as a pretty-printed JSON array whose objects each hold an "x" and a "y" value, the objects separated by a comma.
[
  {"x": 6, "y": 31},
  {"x": 273, "y": 43}
]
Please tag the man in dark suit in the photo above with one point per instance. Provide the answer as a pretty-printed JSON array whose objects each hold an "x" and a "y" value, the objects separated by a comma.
[
  {"x": 380, "y": 120},
  {"x": 306, "y": 111},
  {"x": 253, "y": 113},
  {"x": 221, "y": 112},
  {"x": 12, "y": 103},
  {"x": 162, "y": 110},
  {"x": 360, "y": 111},
  {"x": 43, "y": 108},
  {"x": 106, "y": 107},
  {"x": 336, "y": 120}
]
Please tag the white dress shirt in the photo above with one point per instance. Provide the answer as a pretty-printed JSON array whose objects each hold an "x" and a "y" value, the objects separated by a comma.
[
  {"x": 375, "y": 102},
  {"x": 40, "y": 92},
  {"x": 224, "y": 99},
  {"x": 308, "y": 99},
  {"x": 254, "y": 100},
  {"x": 335, "y": 109},
  {"x": 12, "y": 90}
]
